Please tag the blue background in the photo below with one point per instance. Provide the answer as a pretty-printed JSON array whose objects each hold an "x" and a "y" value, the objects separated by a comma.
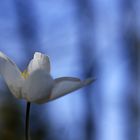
[{"x": 83, "y": 38}]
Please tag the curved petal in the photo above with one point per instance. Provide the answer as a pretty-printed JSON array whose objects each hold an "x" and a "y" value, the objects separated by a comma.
[
  {"x": 40, "y": 61},
  {"x": 37, "y": 87},
  {"x": 65, "y": 85},
  {"x": 11, "y": 75}
]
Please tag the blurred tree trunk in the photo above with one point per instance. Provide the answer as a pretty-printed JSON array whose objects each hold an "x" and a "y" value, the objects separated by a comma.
[
  {"x": 29, "y": 34},
  {"x": 136, "y": 102},
  {"x": 28, "y": 26},
  {"x": 137, "y": 56},
  {"x": 84, "y": 17},
  {"x": 132, "y": 42},
  {"x": 137, "y": 46}
]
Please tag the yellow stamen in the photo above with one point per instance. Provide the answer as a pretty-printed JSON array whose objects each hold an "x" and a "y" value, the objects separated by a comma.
[{"x": 25, "y": 74}]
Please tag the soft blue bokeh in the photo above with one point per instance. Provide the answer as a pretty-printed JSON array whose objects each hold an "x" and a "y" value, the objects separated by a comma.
[{"x": 83, "y": 38}]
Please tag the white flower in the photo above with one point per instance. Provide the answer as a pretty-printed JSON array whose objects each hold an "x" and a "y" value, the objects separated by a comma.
[{"x": 36, "y": 84}]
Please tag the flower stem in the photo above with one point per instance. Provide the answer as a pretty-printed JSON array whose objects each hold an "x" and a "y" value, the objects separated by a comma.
[{"x": 27, "y": 121}]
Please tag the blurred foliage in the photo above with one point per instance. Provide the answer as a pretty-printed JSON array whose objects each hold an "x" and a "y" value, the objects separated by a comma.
[
  {"x": 11, "y": 125},
  {"x": 12, "y": 119}
]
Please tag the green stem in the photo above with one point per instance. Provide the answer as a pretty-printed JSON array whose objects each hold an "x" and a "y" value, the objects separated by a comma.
[{"x": 27, "y": 121}]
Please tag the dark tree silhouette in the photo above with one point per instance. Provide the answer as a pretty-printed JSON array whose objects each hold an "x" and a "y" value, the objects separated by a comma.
[
  {"x": 28, "y": 30},
  {"x": 84, "y": 19},
  {"x": 132, "y": 44},
  {"x": 28, "y": 26}
]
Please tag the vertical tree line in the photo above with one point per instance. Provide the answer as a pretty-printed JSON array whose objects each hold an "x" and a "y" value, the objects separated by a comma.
[
  {"x": 28, "y": 24},
  {"x": 132, "y": 42},
  {"x": 85, "y": 21}
]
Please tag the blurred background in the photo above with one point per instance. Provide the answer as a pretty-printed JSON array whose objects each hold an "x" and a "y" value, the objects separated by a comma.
[{"x": 84, "y": 38}]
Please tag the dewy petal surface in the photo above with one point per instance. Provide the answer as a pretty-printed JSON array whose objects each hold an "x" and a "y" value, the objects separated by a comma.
[
  {"x": 11, "y": 74},
  {"x": 65, "y": 85},
  {"x": 40, "y": 61},
  {"x": 37, "y": 87}
]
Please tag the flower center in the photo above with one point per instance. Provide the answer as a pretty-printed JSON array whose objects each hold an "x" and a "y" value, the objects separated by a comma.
[{"x": 25, "y": 74}]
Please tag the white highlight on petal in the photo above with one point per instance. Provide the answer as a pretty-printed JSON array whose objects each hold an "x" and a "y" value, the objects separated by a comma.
[
  {"x": 11, "y": 75},
  {"x": 37, "y": 87},
  {"x": 65, "y": 85},
  {"x": 40, "y": 61}
]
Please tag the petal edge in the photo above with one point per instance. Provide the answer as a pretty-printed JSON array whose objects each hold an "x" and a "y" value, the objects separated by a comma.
[{"x": 65, "y": 85}]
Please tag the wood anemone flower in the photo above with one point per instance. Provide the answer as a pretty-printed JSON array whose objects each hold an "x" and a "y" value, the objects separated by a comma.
[{"x": 36, "y": 84}]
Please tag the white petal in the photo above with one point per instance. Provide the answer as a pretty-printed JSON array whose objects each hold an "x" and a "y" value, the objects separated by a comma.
[
  {"x": 40, "y": 61},
  {"x": 65, "y": 85},
  {"x": 11, "y": 74},
  {"x": 38, "y": 86}
]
